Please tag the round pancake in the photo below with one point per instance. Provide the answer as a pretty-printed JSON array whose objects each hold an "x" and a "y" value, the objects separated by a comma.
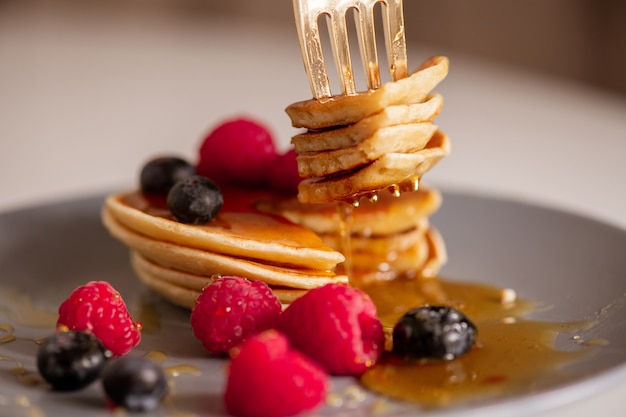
[
  {"x": 404, "y": 138},
  {"x": 172, "y": 282},
  {"x": 380, "y": 244},
  {"x": 351, "y": 135},
  {"x": 427, "y": 272},
  {"x": 347, "y": 109},
  {"x": 243, "y": 235},
  {"x": 180, "y": 296},
  {"x": 409, "y": 259},
  {"x": 388, "y": 215},
  {"x": 201, "y": 262},
  {"x": 437, "y": 254},
  {"x": 393, "y": 169}
]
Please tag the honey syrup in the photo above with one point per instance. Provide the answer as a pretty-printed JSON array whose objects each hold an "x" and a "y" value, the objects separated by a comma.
[{"x": 511, "y": 354}]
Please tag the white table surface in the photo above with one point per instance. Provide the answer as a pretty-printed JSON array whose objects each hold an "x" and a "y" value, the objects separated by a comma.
[{"x": 85, "y": 100}]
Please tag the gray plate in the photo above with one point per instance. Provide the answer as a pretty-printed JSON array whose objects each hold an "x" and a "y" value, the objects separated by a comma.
[{"x": 572, "y": 265}]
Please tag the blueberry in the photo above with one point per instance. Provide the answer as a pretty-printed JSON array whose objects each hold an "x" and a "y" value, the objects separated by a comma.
[
  {"x": 195, "y": 200},
  {"x": 135, "y": 383},
  {"x": 160, "y": 174},
  {"x": 433, "y": 332},
  {"x": 71, "y": 360}
]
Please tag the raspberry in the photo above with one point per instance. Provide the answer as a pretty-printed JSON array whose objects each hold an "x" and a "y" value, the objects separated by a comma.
[
  {"x": 267, "y": 378},
  {"x": 98, "y": 308},
  {"x": 238, "y": 151},
  {"x": 283, "y": 174},
  {"x": 230, "y": 310},
  {"x": 337, "y": 326}
]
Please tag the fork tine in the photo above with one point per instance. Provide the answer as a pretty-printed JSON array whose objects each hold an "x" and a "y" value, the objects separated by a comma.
[
  {"x": 367, "y": 44},
  {"x": 395, "y": 39},
  {"x": 307, "y": 14},
  {"x": 338, "y": 32}
]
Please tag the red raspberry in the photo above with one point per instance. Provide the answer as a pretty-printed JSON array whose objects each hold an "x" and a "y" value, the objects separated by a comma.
[
  {"x": 98, "y": 308},
  {"x": 268, "y": 379},
  {"x": 337, "y": 326},
  {"x": 283, "y": 174},
  {"x": 238, "y": 151},
  {"x": 230, "y": 310}
]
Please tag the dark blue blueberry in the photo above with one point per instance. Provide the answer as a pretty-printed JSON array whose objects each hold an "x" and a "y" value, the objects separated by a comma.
[
  {"x": 135, "y": 383},
  {"x": 433, "y": 332},
  {"x": 159, "y": 175},
  {"x": 71, "y": 360},
  {"x": 196, "y": 200}
]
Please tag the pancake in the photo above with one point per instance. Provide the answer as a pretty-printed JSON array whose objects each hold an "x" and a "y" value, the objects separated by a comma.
[
  {"x": 349, "y": 136},
  {"x": 427, "y": 272},
  {"x": 395, "y": 170},
  {"x": 183, "y": 288},
  {"x": 437, "y": 254},
  {"x": 403, "y": 138},
  {"x": 253, "y": 236},
  {"x": 409, "y": 259},
  {"x": 380, "y": 244},
  {"x": 348, "y": 109},
  {"x": 388, "y": 215},
  {"x": 202, "y": 262}
]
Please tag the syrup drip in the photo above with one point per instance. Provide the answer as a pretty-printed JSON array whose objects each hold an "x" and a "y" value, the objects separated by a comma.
[{"x": 345, "y": 220}]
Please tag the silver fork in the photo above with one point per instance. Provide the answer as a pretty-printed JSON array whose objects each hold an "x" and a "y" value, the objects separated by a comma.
[{"x": 307, "y": 14}]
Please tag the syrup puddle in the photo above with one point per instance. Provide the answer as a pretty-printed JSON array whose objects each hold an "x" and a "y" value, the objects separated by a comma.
[
  {"x": 512, "y": 355},
  {"x": 20, "y": 309}
]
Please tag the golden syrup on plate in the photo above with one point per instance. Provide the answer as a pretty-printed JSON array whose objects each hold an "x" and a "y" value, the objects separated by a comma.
[{"x": 511, "y": 354}]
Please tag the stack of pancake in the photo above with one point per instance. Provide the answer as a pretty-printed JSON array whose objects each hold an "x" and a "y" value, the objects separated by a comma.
[
  {"x": 389, "y": 238},
  {"x": 357, "y": 145},
  {"x": 354, "y": 146},
  {"x": 178, "y": 260},
  {"x": 289, "y": 245}
]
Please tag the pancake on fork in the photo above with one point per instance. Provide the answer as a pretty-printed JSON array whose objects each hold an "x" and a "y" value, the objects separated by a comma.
[
  {"x": 344, "y": 110},
  {"x": 393, "y": 170},
  {"x": 357, "y": 145},
  {"x": 402, "y": 138},
  {"x": 351, "y": 135}
]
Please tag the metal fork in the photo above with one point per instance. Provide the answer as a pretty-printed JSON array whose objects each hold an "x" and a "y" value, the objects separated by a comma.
[{"x": 307, "y": 14}]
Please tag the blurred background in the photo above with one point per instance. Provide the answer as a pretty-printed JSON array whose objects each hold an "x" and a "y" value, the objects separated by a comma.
[
  {"x": 582, "y": 40},
  {"x": 89, "y": 89}
]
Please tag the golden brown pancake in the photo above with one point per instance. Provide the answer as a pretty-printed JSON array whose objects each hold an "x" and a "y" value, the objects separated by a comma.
[
  {"x": 438, "y": 254},
  {"x": 202, "y": 262},
  {"x": 254, "y": 236},
  {"x": 392, "y": 169},
  {"x": 409, "y": 259},
  {"x": 348, "y": 109},
  {"x": 404, "y": 138},
  {"x": 183, "y": 288},
  {"x": 380, "y": 244},
  {"x": 435, "y": 259},
  {"x": 349, "y": 136},
  {"x": 388, "y": 215}
]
